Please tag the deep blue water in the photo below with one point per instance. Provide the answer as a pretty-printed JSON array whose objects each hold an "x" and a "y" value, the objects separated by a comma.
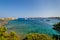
[{"x": 23, "y": 27}]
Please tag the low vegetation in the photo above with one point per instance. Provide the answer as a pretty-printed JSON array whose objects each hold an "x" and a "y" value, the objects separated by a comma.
[
  {"x": 34, "y": 36},
  {"x": 57, "y": 26},
  {"x": 4, "y": 35}
]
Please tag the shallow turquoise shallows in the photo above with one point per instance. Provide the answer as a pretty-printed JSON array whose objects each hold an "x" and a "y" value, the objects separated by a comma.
[{"x": 24, "y": 27}]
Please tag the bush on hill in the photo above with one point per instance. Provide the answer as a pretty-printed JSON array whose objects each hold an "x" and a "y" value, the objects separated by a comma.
[
  {"x": 4, "y": 35},
  {"x": 35, "y": 36},
  {"x": 57, "y": 26}
]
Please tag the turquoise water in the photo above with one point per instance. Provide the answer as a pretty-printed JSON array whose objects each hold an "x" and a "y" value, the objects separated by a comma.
[{"x": 23, "y": 27}]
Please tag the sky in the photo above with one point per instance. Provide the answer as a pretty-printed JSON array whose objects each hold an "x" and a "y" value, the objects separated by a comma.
[{"x": 29, "y": 8}]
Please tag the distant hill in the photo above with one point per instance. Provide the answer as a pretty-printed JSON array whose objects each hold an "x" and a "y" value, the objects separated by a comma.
[{"x": 54, "y": 17}]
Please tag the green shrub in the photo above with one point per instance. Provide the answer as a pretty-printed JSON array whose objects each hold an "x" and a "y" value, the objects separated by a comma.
[
  {"x": 57, "y": 25},
  {"x": 35, "y": 36},
  {"x": 4, "y": 35},
  {"x": 13, "y": 36}
]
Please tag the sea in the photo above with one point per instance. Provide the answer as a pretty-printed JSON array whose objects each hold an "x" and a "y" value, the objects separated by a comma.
[{"x": 24, "y": 26}]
